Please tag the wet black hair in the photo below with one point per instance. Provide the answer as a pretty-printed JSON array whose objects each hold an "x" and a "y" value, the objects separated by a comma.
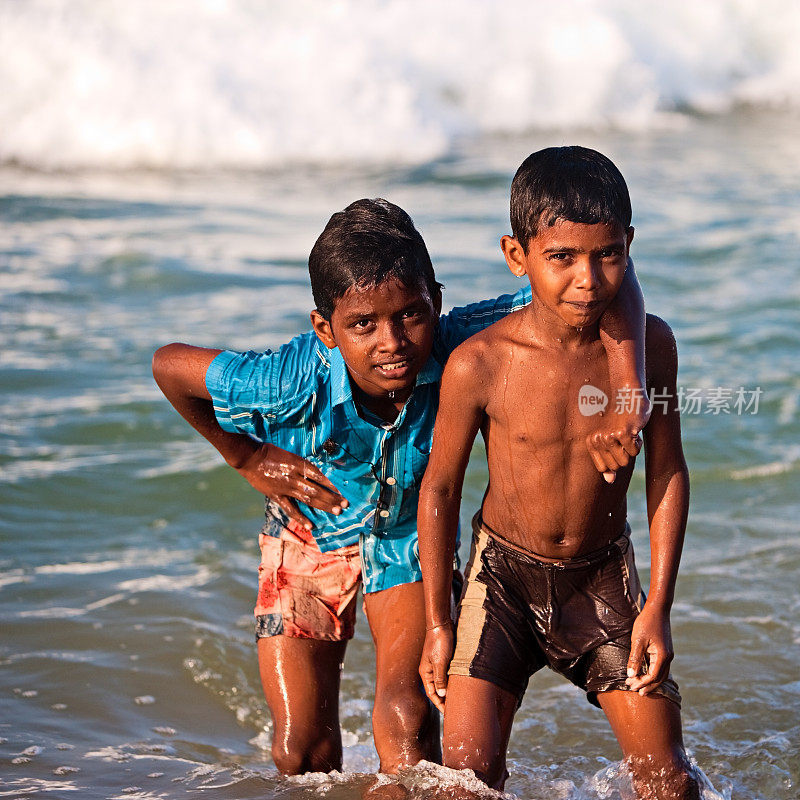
[
  {"x": 364, "y": 245},
  {"x": 574, "y": 183}
]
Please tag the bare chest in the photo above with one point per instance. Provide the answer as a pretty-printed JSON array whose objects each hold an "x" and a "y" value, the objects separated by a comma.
[{"x": 541, "y": 402}]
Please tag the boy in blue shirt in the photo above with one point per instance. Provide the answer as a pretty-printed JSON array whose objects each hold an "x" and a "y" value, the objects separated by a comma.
[{"x": 341, "y": 420}]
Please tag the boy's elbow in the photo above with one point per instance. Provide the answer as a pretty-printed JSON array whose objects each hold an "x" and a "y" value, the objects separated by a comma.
[
  {"x": 165, "y": 360},
  {"x": 437, "y": 492},
  {"x": 161, "y": 358}
]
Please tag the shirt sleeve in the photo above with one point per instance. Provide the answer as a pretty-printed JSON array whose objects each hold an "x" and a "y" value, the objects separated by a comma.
[
  {"x": 252, "y": 392},
  {"x": 461, "y": 323}
]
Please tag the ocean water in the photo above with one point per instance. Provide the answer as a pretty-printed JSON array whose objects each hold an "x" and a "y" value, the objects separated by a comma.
[{"x": 128, "y": 550}]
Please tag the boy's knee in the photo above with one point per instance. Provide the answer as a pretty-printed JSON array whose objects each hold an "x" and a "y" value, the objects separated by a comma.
[
  {"x": 402, "y": 710},
  {"x": 294, "y": 755},
  {"x": 673, "y": 780},
  {"x": 406, "y": 729},
  {"x": 488, "y": 767}
]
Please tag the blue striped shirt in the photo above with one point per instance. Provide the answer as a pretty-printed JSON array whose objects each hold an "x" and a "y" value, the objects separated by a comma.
[{"x": 299, "y": 398}]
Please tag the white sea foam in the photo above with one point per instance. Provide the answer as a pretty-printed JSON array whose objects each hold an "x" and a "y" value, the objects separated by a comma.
[
  {"x": 209, "y": 83},
  {"x": 29, "y": 786},
  {"x": 134, "y": 557},
  {"x": 764, "y": 470},
  {"x": 168, "y": 583}
]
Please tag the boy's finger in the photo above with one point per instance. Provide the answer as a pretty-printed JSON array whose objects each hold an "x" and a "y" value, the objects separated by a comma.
[
  {"x": 598, "y": 459},
  {"x": 619, "y": 451},
  {"x": 426, "y": 673},
  {"x": 440, "y": 679},
  {"x": 309, "y": 470},
  {"x": 632, "y": 444},
  {"x": 293, "y": 512},
  {"x": 652, "y": 678},
  {"x": 321, "y": 486},
  {"x": 312, "y": 494},
  {"x": 597, "y": 456},
  {"x": 635, "y": 661}
]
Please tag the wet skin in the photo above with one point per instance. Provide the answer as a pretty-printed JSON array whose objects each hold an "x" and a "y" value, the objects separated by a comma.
[{"x": 518, "y": 382}]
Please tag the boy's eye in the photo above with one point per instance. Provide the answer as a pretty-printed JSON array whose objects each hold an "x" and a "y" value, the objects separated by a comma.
[
  {"x": 361, "y": 324},
  {"x": 610, "y": 252},
  {"x": 561, "y": 257}
]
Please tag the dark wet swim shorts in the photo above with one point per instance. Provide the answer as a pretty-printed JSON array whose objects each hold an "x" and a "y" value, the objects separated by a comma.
[{"x": 518, "y": 614}]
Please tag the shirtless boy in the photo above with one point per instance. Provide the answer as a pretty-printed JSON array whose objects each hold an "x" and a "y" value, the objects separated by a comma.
[
  {"x": 551, "y": 579},
  {"x": 339, "y": 420}
]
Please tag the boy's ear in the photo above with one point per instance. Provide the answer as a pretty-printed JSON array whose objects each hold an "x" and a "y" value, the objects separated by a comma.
[
  {"x": 322, "y": 327},
  {"x": 437, "y": 302},
  {"x": 515, "y": 255}
]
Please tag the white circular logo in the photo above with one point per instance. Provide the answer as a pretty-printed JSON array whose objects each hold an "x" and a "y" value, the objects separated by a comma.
[{"x": 591, "y": 400}]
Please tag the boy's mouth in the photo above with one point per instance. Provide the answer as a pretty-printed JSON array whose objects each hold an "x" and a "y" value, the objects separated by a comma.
[
  {"x": 394, "y": 369},
  {"x": 584, "y": 305}
]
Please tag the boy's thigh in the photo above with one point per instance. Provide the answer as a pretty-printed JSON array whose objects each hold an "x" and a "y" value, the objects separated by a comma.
[
  {"x": 301, "y": 678},
  {"x": 304, "y": 593},
  {"x": 396, "y": 619},
  {"x": 647, "y": 727}
]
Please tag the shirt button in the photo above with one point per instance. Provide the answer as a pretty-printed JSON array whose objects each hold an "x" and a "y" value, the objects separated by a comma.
[
  {"x": 384, "y": 513},
  {"x": 391, "y": 481}
]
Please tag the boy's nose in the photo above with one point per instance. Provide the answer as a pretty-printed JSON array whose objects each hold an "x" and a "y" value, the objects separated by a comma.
[
  {"x": 588, "y": 276},
  {"x": 392, "y": 337}
]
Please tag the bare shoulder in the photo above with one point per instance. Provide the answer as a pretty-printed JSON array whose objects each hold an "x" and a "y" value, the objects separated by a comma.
[
  {"x": 469, "y": 358},
  {"x": 469, "y": 370},
  {"x": 661, "y": 350},
  {"x": 479, "y": 352}
]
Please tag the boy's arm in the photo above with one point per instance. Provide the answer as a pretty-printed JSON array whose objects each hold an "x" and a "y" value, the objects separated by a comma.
[
  {"x": 457, "y": 422},
  {"x": 667, "y": 480},
  {"x": 180, "y": 372},
  {"x": 622, "y": 331}
]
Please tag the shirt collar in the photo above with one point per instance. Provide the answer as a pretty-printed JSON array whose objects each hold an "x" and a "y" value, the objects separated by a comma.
[{"x": 340, "y": 381}]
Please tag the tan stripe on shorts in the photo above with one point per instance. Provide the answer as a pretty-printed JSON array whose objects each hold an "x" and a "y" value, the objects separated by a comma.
[{"x": 471, "y": 614}]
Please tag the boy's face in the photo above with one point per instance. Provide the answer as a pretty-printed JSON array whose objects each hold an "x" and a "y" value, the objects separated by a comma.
[
  {"x": 575, "y": 269},
  {"x": 385, "y": 335}
]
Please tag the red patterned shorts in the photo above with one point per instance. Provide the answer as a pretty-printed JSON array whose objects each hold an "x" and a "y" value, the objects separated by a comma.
[{"x": 303, "y": 592}]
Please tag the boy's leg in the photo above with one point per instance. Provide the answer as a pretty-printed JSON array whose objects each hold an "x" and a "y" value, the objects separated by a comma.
[
  {"x": 300, "y": 678},
  {"x": 404, "y": 723},
  {"x": 477, "y": 723},
  {"x": 648, "y": 729},
  {"x": 305, "y": 614}
]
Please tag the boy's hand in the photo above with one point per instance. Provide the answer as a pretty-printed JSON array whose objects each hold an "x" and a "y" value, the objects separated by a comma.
[
  {"x": 614, "y": 447},
  {"x": 651, "y": 651},
  {"x": 436, "y": 656},
  {"x": 281, "y": 475}
]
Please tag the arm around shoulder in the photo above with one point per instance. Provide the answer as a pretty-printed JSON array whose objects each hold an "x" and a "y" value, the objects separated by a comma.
[{"x": 667, "y": 482}]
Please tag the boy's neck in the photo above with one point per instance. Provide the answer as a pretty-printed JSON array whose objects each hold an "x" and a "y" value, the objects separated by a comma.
[
  {"x": 548, "y": 329},
  {"x": 386, "y": 408}
]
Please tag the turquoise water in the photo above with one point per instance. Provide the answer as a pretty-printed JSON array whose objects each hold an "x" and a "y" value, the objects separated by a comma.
[{"x": 128, "y": 560}]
